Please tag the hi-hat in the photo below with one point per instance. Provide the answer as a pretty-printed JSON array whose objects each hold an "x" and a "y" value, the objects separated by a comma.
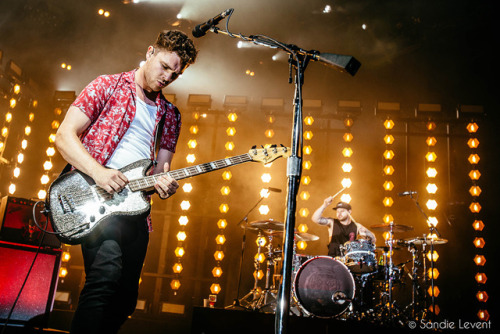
[
  {"x": 391, "y": 227},
  {"x": 428, "y": 241}
]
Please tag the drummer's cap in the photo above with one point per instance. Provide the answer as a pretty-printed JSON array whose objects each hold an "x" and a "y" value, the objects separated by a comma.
[{"x": 342, "y": 205}]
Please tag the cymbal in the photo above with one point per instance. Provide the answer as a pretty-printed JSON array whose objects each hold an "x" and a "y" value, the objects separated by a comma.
[
  {"x": 266, "y": 226},
  {"x": 302, "y": 236},
  {"x": 393, "y": 227},
  {"x": 427, "y": 241}
]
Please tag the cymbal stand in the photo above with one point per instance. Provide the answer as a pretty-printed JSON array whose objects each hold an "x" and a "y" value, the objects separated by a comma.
[
  {"x": 236, "y": 301},
  {"x": 415, "y": 294},
  {"x": 254, "y": 293}
]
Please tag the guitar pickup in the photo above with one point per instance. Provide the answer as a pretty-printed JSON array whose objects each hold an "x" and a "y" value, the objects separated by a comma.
[{"x": 67, "y": 203}]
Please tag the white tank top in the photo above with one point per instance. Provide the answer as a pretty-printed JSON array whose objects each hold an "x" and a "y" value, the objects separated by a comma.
[{"x": 136, "y": 143}]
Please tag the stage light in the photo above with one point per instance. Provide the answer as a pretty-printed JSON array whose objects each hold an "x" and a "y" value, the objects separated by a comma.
[
  {"x": 227, "y": 175},
  {"x": 431, "y": 141},
  {"x": 231, "y": 131},
  {"x": 346, "y": 182},
  {"x": 432, "y": 256},
  {"x": 229, "y": 146},
  {"x": 432, "y": 273},
  {"x": 47, "y": 165},
  {"x": 5, "y": 132},
  {"x": 388, "y": 124},
  {"x": 225, "y": 190},
  {"x": 308, "y": 150},
  {"x": 304, "y": 195},
  {"x": 222, "y": 224},
  {"x": 348, "y": 137},
  {"x": 66, "y": 256},
  {"x": 388, "y": 185},
  {"x": 388, "y": 154},
  {"x": 431, "y": 188},
  {"x": 219, "y": 255},
  {"x": 346, "y": 167},
  {"x": 431, "y": 126},
  {"x": 388, "y": 170},
  {"x": 473, "y": 143},
  {"x": 481, "y": 278},
  {"x": 42, "y": 194},
  {"x": 432, "y": 221},
  {"x": 232, "y": 117},
  {"x": 193, "y": 129},
  {"x": 433, "y": 292},
  {"x": 346, "y": 198},
  {"x": 223, "y": 208},
  {"x": 12, "y": 103},
  {"x": 217, "y": 272},
  {"x": 475, "y": 207},
  {"x": 27, "y": 130},
  {"x": 304, "y": 212},
  {"x": 44, "y": 179},
  {"x": 266, "y": 177},
  {"x": 483, "y": 315},
  {"x": 307, "y": 164},
  {"x": 220, "y": 239},
  {"x": 303, "y": 228},
  {"x": 12, "y": 188},
  {"x": 177, "y": 268},
  {"x": 388, "y": 201},
  {"x": 388, "y": 218},
  {"x": 191, "y": 158},
  {"x": 475, "y": 191},
  {"x": 347, "y": 152},
  {"x": 175, "y": 284},
  {"x": 431, "y": 204},
  {"x": 478, "y": 225},
  {"x": 20, "y": 158},
  {"x": 185, "y": 205},
  {"x": 183, "y": 220},
  {"x": 264, "y": 193},
  {"x": 187, "y": 187},
  {"x": 308, "y": 135},
  {"x": 431, "y": 157},
  {"x": 258, "y": 274},
  {"x": 389, "y": 139},
  {"x": 8, "y": 117},
  {"x": 181, "y": 236},
  {"x": 301, "y": 245},
  {"x": 479, "y": 260},
  {"x": 306, "y": 180},
  {"x": 431, "y": 172},
  {"x": 473, "y": 159},
  {"x": 309, "y": 120},
  {"x": 479, "y": 242},
  {"x": 179, "y": 252},
  {"x": 260, "y": 257},
  {"x": 16, "y": 172},
  {"x": 472, "y": 127},
  {"x": 192, "y": 143},
  {"x": 482, "y": 296},
  {"x": 264, "y": 209},
  {"x": 24, "y": 144}
]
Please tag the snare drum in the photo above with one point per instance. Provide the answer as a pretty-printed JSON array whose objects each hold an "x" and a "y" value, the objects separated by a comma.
[
  {"x": 324, "y": 287},
  {"x": 359, "y": 256}
]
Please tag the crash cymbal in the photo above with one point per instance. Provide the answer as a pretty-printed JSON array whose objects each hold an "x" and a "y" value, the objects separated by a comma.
[
  {"x": 427, "y": 241},
  {"x": 394, "y": 227},
  {"x": 302, "y": 236}
]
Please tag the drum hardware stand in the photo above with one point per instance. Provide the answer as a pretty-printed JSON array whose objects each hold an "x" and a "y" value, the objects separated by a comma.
[
  {"x": 244, "y": 221},
  {"x": 254, "y": 293},
  {"x": 263, "y": 300},
  {"x": 298, "y": 60},
  {"x": 432, "y": 230},
  {"x": 416, "y": 290}
]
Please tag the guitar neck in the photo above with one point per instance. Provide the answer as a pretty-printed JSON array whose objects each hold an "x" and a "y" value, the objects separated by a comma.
[{"x": 148, "y": 182}]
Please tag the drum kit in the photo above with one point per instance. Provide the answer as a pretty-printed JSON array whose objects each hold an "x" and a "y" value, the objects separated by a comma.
[{"x": 360, "y": 284}]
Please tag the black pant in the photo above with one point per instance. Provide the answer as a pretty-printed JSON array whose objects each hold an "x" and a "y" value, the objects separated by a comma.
[{"x": 113, "y": 260}]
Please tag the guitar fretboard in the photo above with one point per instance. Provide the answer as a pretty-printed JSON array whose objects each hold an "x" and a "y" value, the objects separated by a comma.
[{"x": 148, "y": 182}]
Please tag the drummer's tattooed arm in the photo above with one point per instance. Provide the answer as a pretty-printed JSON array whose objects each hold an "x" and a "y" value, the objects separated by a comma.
[{"x": 323, "y": 221}]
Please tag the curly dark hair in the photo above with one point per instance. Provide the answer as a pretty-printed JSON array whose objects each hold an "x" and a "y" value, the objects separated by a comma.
[{"x": 178, "y": 42}]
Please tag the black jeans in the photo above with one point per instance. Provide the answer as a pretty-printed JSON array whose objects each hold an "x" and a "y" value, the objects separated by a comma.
[{"x": 113, "y": 260}]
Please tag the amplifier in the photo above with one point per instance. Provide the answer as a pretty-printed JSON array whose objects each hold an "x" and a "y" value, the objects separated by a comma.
[
  {"x": 17, "y": 223},
  {"x": 37, "y": 296}
]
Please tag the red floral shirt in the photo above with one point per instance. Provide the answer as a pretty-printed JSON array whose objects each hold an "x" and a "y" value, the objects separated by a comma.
[{"x": 109, "y": 101}]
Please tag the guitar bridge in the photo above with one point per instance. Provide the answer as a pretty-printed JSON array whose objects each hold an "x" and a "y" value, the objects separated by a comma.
[{"x": 67, "y": 203}]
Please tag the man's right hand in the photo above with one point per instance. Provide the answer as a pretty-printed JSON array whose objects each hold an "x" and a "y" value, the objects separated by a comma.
[
  {"x": 111, "y": 180},
  {"x": 328, "y": 201}
]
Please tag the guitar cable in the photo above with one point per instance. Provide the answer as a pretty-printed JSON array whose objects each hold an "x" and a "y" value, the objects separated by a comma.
[{"x": 44, "y": 229}]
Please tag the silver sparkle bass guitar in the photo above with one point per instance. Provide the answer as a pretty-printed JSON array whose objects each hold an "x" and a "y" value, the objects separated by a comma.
[{"x": 77, "y": 206}]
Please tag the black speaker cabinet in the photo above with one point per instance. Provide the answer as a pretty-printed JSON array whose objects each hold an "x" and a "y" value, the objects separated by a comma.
[
  {"x": 17, "y": 223},
  {"x": 37, "y": 296}
]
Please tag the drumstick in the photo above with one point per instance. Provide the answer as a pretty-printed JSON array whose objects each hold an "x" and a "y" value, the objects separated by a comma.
[{"x": 341, "y": 190}]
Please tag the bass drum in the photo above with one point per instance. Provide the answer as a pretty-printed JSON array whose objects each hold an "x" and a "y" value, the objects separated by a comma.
[{"x": 324, "y": 287}]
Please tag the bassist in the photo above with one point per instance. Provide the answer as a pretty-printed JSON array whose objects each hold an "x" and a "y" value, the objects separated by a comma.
[{"x": 111, "y": 124}]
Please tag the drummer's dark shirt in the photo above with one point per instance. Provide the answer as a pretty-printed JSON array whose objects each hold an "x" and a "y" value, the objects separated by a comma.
[{"x": 340, "y": 235}]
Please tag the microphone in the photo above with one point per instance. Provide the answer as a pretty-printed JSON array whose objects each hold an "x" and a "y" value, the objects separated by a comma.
[
  {"x": 407, "y": 193},
  {"x": 276, "y": 190},
  {"x": 201, "y": 29}
]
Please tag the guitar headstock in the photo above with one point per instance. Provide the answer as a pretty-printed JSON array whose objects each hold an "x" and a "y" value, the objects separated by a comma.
[{"x": 269, "y": 154}]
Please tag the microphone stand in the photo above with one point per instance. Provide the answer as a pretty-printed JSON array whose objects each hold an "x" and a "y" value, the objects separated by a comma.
[
  {"x": 236, "y": 301},
  {"x": 432, "y": 229},
  {"x": 298, "y": 60}
]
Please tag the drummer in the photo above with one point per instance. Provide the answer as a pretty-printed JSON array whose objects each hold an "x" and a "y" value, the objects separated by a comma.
[{"x": 341, "y": 229}]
